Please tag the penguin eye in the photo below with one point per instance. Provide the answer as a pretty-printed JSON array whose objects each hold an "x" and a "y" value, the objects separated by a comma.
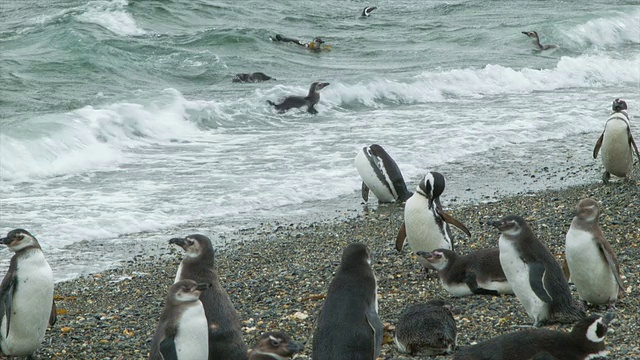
[
  {"x": 19, "y": 237},
  {"x": 275, "y": 342},
  {"x": 190, "y": 242}
]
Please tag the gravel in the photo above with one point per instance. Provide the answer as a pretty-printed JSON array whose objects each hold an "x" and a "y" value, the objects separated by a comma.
[{"x": 277, "y": 274}]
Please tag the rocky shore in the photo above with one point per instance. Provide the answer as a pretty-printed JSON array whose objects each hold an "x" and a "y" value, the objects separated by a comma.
[{"x": 278, "y": 273}]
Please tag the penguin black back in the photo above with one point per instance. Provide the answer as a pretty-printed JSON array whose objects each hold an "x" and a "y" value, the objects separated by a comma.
[
  {"x": 348, "y": 326},
  {"x": 426, "y": 329}
]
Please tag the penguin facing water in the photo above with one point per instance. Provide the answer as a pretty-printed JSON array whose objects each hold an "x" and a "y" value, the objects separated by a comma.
[
  {"x": 182, "y": 332},
  {"x": 26, "y": 296},
  {"x": 617, "y": 143},
  {"x": 425, "y": 224},
  {"x": 381, "y": 175},
  {"x": 225, "y": 333},
  {"x": 534, "y": 274}
]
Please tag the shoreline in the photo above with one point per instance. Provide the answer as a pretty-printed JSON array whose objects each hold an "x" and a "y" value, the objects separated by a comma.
[{"x": 276, "y": 274}]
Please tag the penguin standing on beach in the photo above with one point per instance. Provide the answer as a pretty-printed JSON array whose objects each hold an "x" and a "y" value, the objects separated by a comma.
[
  {"x": 478, "y": 273},
  {"x": 26, "y": 296},
  {"x": 348, "y": 326},
  {"x": 585, "y": 341},
  {"x": 426, "y": 329},
  {"x": 592, "y": 263},
  {"x": 617, "y": 143},
  {"x": 182, "y": 332},
  {"x": 275, "y": 345},
  {"x": 534, "y": 274},
  {"x": 381, "y": 175},
  {"x": 425, "y": 224},
  {"x": 225, "y": 333}
]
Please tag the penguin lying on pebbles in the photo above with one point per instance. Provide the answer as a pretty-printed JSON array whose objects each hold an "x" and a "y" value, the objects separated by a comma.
[
  {"x": 26, "y": 296},
  {"x": 585, "y": 341},
  {"x": 275, "y": 346},
  {"x": 592, "y": 263},
  {"x": 478, "y": 273},
  {"x": 426, "y": 329},
  {"x": 534, "y": 274}
]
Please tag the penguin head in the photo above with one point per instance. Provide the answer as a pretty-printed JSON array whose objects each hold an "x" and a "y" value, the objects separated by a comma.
[
  {"x": 316, "y": 86},
  {"x": 185, "y": 291},
  {"x": 367, "y": 11},
  {"x": 276, "y": 344},
  {"x": 510, "y": 225},
  {"x": 19, "y": 239},
  {"x": 594, "y": 327},
  {"x": 194, "y": 245},
  {"x": 432, "y": 185},
  {"x": 531, "y": 34},
  {"x": 588, "y": 210},
  {"x": 355, "y": 253},
  {"x": 438, "y": 258},
  {"x": 619, "y": 105}
]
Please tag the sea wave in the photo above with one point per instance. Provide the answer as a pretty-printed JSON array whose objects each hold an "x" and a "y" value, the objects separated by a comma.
[
  {"x": 615, "y": 30},
  {"x": 111, "y": 15}
]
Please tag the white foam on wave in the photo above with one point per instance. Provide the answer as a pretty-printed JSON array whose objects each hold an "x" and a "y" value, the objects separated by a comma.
[
  {"x": 608, "y": 31},
  {"x": 92, "y": 138},
  {"x": 111, "y": 15}
]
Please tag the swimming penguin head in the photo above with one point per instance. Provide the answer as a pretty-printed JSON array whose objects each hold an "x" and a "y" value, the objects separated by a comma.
[
  {"x": 19, "y": 239},
  {"x": 367, "y": 11},
  {"x": 619, "y": 105},
  {"x": 531, "y": 34}
]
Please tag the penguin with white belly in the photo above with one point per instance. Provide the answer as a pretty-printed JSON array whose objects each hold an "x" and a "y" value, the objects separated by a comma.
[
  {"x": 617, "y": 143},
  {"x": 425, "y": 224},
  {"x": 381, "y": 175}
]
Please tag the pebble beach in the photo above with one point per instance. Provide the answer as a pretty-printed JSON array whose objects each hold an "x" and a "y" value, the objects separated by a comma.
[{"x": 277, "y": 275}]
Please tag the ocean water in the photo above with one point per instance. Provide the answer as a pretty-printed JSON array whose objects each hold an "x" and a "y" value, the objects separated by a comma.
[{"x": 120, "y": 124}]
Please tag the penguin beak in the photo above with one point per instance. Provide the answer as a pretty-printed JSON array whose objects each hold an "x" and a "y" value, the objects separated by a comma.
[
  {"x": 424, "y": 254},
  {"x": 608, "y": 317},
  {"x": 294, "y": 347},
  {"x": 178, "y": 241},
  {"x": 202, "y": 286},
  {"x": 5, "y": 241},
  {"x": 497, "y": 224}
]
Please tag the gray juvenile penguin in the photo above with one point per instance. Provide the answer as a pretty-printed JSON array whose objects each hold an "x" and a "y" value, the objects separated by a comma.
[
  {"x": 586, "y": 340},
  {"x": 536, "y": 41},
  {"x": 426, "y": 329},
  {"x": 182, "y": 332},
  {"x": 252, "y": 78},
  {"x": 225, "y": 332},
  {"x": 294, "y": 101},
  {"x": 348, "y": 326},
  {"x": 534, "y": 274},
  {"x": 26, "y": 296},
  {"x": 592, "y": 263},
  {"x": 478, "y": 273},
  {"x": 275, "y": 345}
]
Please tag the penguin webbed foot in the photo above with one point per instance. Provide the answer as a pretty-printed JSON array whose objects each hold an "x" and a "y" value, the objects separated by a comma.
[
  {"x": 481, "y": 291},
  {"x": 605, "y": 177},
  {"x": 312, "y": 110}
]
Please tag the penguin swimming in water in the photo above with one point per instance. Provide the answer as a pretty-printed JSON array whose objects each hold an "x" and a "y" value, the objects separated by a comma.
[
  {"x": 381, "y": 175},
  {"x": 225, "y": 333},
  {"x": 592, "y": 263},
  {"x": 253, "y": 77},
  {"x": 294, "y": 101},
  {"x": 316, "y": 45},
  {"x": 425, "y": 224},
  {"x": 348, "y": 326},
  {"x": 586, "y": 340},
  {"x": 478, "y": 273},
  {"x": 426, "y": 329},
  {"x": 276, "y": 345},
  {"x": 368, "y": 10},
  {"x": 182, "y": 332},
  {"x": 26, "y": 296},
  {"x": 536, "y": 41},
  {"x": 534, "y": 274},
  {"x": 617, "y": 143}
]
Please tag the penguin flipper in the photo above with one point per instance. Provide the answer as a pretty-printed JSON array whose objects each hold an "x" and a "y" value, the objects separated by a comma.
[
  {"x": 453, "y": 221},
  {"x": 6, "y": 293},
  {"x": 378, "y": 328},
  {"x": 633, "y": 143},
  {"x": 168, "y": 349},
  {"x": 53, "y": 316},
  {"x": 402, "y": 234},
  {"x": 472, "y": 283},
  {"x": 365, "y": 192},
  {"x": 537, "y": 273},
  {"x": 608, "y": 255},
  {"x": 598, "y": 145}
]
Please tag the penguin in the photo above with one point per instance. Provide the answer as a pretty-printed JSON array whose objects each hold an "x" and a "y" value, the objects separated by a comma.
[
  {"x": 225, "y": 332},
  {"x": 534, "y": 274},
  {"x": 26, "y": 296},
  {"x": 276, "y": 345},
  {"x": 477, "y": 273},
  {"x": 309, "y": 101},
  {"x": 426, "y": 329},
  {"x": 592, "y": 263},
  {"x": 381, "y": 175},
  {"x": 425, "y": 223},
  {"x": 254, "y": 77},
  {"x": 585, "y": 341},
  {"x": 536, "y": 41},
  {"x": 617, "y": 143},
  {"x": 348, "y": 326},
  {"x": 368, "y": 10},
  {"x": 182, "y": 331}
]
